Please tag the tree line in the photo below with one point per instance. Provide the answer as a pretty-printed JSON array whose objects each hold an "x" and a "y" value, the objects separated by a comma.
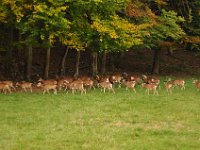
[{"x": 100, "y": 27}]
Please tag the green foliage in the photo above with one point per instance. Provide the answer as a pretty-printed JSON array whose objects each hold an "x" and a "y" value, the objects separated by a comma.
[{"x": 166, "y": 28}]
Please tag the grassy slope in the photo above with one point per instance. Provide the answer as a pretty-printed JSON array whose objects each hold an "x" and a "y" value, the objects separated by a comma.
[{"x": 121, "y": 121}]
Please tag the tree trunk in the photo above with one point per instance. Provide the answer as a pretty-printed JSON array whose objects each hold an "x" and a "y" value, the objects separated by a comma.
[
  {"x": 121, "y": 59},
  {"x": 94, "y": 64},
  {"x": 8, "y": 64},
  {"x": 112, "y": 65},
  {"x": 77, "y": 64},
  {"x": 29, "y": 63},
  {"x": 46, "y": 71},
  {"x": 63, "y": 63},
  {"x": 156, "y": 62},
  {"x": 103, "y": 63}
]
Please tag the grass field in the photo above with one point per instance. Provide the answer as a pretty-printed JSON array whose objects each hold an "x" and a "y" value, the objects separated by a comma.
[{"x": 97, "y": 121}]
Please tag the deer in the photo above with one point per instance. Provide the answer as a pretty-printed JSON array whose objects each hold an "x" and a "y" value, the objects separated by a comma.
[
  {"x": 130, "y": 84},
  {"x": 87, "y": 81},
  {"x": 150, "y": 87},
  {"x": 106, "y": 85},
  {"x": 100, "y": 79},
  {"x": 197, "y": 84},
  {"x": 5, "y": 88},
  {"x": 168, "y": 86},
  {"x": 48, "y": 87},
  {"x": 25, "y": 85},
  {"x": 128, "y": 77},
  {"x": 116, "y": 78},
  {"x": 76, "y": 85},
  {"x": 149, "y": 80},
  {"x": 10, "y": 84},
  {"x": 48, "y": 82},
  {"x": 179, "y": 82}
]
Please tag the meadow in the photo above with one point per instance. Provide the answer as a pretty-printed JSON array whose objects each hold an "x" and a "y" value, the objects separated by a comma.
[{"x": 97, "y": 121}]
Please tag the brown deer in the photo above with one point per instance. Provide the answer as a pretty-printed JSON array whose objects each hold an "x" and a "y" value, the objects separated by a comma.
[
  {"x": 149, "y": 80},
  {"x": 150, "y": 87},
  {"x": 25, "y": 85},
  {"x": 106, "y": 85},
  {"x": 132, "y": 77},
  {"x": 76, "y": 85},
  {"x": 10, "y": 84},
  {"x": 168, "y": 86},
  {"x": 197, "y": 84},
  {"x": 102, "y": 79},
  {"x": 130, "y": 84},
  {"x": 87, "y": 81},
  {"x": 48, "y": 87},
  {"x": 116, "y": 78},
  {"x": 48, "y": 82},
  {"x": 180, "y": 83},
  {"x": 5, "y": 88}
]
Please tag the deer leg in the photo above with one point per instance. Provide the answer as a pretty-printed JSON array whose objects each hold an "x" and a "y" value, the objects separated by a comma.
[
  {"x": 24, "y": 89},
  {"x": 55, "y": 91},
  {"x": 44, "y": 91},
  {"x": 31, "y": 90},
  {"x": 134, "y": 89}
]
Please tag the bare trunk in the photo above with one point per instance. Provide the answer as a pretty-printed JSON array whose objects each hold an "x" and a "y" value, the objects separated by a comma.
[
  {"x": 94, "y": 64},
  {"x": 112, "y": 65},
  {"x": 103, "y": 64},
  {"x": 63, "y": 63},
  {"x": 77, "y": 63},
  {"x": 121, "y": 59},
  {"x": 46, "y": 71},
  {"x": 156, "y": 62},
  {"x": 29, "y": 63},
  {"x": 9, "y": 53}
]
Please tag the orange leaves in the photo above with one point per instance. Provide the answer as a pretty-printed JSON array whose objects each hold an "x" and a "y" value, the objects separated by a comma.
[
  {"x": 134, "y": 11},
  {"x": 192, "y": 39}
]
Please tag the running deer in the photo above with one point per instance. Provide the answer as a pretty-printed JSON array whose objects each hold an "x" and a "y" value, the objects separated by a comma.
[
  {"x": 5, "y": 88},
  {"x": 180, "y": 83},
  {"x": 76, "y": 85},
  {"x": 130, "y": 84},
  {"x": 87, "y": 81},
  {"x": 25, "y": 85},
  {"x": 48, "y": 81},
  {"x": 128, "y": 77},
  {"x": 168, "y": 86},
  {"x": 116, "y": 78},
  {"x": 150, "y": 87},
  {"x": 149, "y": 80},
  {"x": 10, "y": 84},
  {"x": 47, "y": 87},
  {"x": 106, "y": 85},
  {"x": 197, "y": 84}
]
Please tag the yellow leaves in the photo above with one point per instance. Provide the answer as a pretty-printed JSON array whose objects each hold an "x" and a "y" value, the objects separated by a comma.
[
  {"x": 149, "y": 13},
  {"x": 3, "y": 17},
  {"x": 161, "y": 2},
  {"x": 51, "y": 38},
  {"x": 40, "y": 7},
  {"x": 72, "y": 40},
  {"x": 104, "y": 28}
]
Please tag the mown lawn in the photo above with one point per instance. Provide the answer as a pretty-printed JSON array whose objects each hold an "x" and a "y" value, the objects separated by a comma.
[{"x": 97, "y": 121}]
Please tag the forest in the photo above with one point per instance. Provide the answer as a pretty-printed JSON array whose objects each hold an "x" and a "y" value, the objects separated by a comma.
[{"x": 43, "y": 37}]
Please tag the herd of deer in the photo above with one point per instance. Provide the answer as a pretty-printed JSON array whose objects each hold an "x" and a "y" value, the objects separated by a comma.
[{"x": 81, "y": 84}]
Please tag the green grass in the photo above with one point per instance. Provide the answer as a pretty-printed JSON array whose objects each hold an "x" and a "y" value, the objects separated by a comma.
[{"x": 97, "y": 121}]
